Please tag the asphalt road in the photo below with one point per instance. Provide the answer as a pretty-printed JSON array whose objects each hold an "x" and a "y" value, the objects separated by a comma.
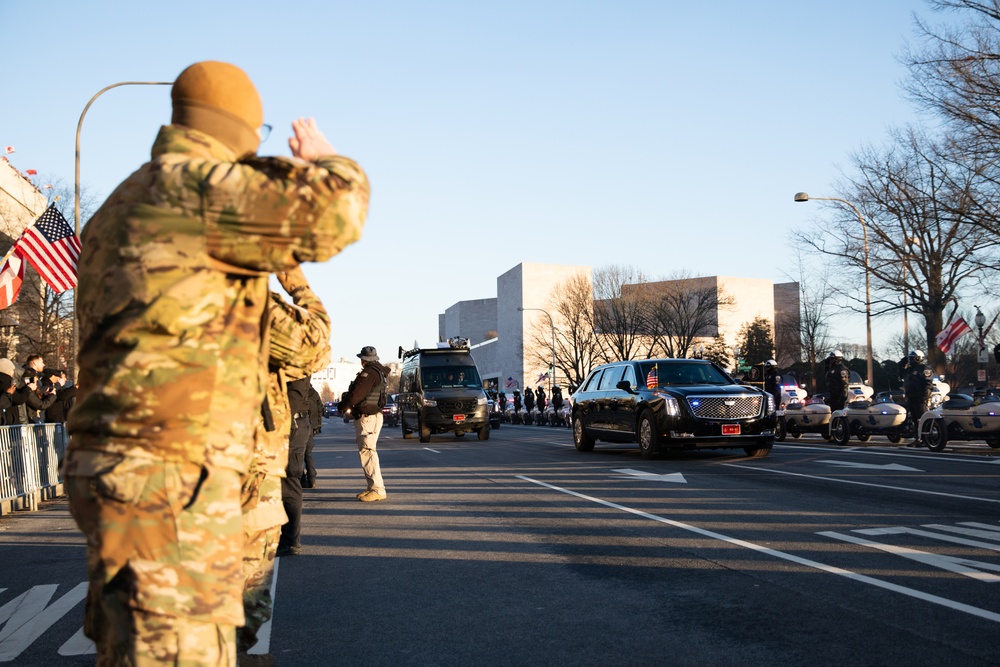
[{"x": 521, "y": 551}]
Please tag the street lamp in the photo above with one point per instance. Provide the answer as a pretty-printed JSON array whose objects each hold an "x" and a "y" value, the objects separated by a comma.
[
  {"x": 552, "y": 376},
  {"x": 980, "y": 323},
  {"x": 802, "y": 196},
  {"x": 8, "y": 329},
  {"x": 76, "y": 175}
]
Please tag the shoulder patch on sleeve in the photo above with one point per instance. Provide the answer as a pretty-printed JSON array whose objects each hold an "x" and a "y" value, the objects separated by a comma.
[{"x": 364, "y": 374}]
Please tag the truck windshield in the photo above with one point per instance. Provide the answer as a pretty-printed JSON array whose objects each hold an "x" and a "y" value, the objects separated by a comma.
[{"x": 441, "y": 377}]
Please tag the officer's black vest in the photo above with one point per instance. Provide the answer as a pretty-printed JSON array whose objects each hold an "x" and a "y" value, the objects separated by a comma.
[{"x": 376, "y": 398}]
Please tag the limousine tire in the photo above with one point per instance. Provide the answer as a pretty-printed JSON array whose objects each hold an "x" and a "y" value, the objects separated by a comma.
[
  {"x": 648, "y": 435},
  {"x": 583, "y": 442},
  {"x": 760, "y": 451}
]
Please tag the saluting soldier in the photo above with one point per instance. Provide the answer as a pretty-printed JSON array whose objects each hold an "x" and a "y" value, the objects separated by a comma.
[{"x": 171, "y": 301}]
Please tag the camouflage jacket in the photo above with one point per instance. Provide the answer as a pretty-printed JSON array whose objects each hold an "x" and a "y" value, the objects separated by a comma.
[
  {"x": 300, "y": 346},
  {"x": 173, "y": 291}
]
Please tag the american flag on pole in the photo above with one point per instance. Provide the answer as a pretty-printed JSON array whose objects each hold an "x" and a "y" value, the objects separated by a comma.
[
  {"x": 53, "y": 248},
  {"x": 11, "y": 277},
  {"x": 951, "y": 333}
]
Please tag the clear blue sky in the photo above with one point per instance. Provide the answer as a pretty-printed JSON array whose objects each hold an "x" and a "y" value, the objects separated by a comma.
[{"x": 664, "y": 134}]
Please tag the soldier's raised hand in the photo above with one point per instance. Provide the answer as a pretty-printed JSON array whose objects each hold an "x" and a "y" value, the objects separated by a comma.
[{"x": 308, "y": 142}]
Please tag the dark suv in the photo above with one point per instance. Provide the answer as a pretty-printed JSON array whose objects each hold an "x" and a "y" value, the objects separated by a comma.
[{"x": 671, "y": 404}]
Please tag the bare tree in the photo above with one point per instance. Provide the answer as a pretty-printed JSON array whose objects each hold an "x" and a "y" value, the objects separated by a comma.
[
  {"x": 680, "y": 310},
  {"x": 619, "y": 313},
  {"x": 815, "y": 311},
  {"x": 572, "y": 307}
]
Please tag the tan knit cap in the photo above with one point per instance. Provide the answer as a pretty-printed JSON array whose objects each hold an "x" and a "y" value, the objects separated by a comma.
[{"x": 219, "y": 99}]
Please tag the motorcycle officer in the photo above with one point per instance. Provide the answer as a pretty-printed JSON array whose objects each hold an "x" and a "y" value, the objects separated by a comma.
[
  {"x": 838, "y": 378},
  {"x": 918, "y": 385},
  {"x": 772, "y": 381}
]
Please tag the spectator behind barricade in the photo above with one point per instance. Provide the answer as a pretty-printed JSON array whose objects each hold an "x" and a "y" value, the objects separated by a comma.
[
  {"x": 8, "y": 395},
  {"x": 56, "y": 378},
  {"x": 36, "y": 398}
]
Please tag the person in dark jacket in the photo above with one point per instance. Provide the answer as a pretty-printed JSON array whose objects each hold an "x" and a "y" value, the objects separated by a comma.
[
  {"x": 529, "y": 399},
  {"x": 36, "y": 398},
  {"x": 289, "y": 544},
  {"x": 838, "y": 379},
  {"x": 56, "y": 378},
  {"x": 540, "y": 398},
  {"x": 8, "y": 394},
  {"x": 316, "y": 422},
  {"x": 772, "y": 381},
  {"x": 364, "y": 401},
  {"x": 918, "y": 385}
]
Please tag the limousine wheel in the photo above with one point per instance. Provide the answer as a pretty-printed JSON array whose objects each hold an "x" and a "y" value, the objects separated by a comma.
[
  {"x": 648, "y": 435},
  {"x": 760, "y": 451},
  {"x": 583, "y": 442}
]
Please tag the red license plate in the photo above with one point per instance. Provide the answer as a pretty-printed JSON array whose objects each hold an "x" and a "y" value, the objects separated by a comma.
[
  {"x": 461, "y": 418},
  {"x": 730, "y": 429}
]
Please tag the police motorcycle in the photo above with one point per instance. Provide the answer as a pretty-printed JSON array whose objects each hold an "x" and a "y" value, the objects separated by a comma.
[
  {"x": 797, "y": 418},
  {"x": 863, "y": 418},
  {"x": 962, "y": 417}
]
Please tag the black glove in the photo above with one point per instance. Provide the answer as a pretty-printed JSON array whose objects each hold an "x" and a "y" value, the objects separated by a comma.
[{"x": 341, "y": 407}]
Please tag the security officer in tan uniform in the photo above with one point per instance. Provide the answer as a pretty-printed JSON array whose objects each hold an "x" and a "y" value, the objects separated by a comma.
[
  {"x": 364, "y": 401},
  {"x": 171, "y": 302},
  {"x": 300, "y": 345}
]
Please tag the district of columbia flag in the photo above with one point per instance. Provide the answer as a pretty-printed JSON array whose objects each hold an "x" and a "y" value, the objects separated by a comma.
[
  {"x": 542, "y": 377},
  {"x": 53, "y": 248},
  {"x": 11, "y": 277},
  {"x": 946, "y": 339},
  {"x": 652, "y": 377}
]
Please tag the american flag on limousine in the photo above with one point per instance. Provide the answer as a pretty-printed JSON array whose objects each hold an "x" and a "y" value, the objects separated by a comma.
[{"x": 53, "y": 248}]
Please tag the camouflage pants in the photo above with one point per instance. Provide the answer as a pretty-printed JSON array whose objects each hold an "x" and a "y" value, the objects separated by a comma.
[
  {"x": 263, "y": 515},
  {"x": 164, "y": 557}
]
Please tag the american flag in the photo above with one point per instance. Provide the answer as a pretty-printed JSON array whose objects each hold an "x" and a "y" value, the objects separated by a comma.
[
  {"x": 652, "y": 378},
  {"x": 11, "y": 277},
  {"x": 52, "y": 248}
]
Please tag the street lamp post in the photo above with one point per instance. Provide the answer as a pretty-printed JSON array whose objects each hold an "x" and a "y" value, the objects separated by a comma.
[
  {"x": 552, "y": 376},
  {"x": 76, "y": 174},
  {"x": 802, "y": 196},
  {"x": 983, "y": 359}
]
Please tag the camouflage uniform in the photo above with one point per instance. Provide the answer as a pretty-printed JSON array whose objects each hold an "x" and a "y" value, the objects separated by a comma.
[
  {"x": 300, "y": 346},
  {"x": 173, "y": 369}
]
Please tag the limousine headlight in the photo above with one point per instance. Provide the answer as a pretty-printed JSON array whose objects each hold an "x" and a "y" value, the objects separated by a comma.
[
  {"x": 770, "y": 404},
  {"x": 670, "y": 403},
  {"x": 428, "y": 403}
]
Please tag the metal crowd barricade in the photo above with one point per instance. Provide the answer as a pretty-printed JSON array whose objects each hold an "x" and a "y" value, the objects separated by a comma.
[{"x": 30, "y": 456}]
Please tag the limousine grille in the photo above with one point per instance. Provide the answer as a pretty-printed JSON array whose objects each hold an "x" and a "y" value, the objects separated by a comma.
[
  {"x": 725, "y": 407},
  {"x": 456, "y": 406}
]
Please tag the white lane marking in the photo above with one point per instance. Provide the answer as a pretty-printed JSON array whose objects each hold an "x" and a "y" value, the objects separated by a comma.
[
  {"x": 857, "y": 483},
  {"x": 892, "y": 450},
  {"x": 263, "y": 644},
  {"x": 26, "y": 617},
  {"x": 989, "y": 532},
  {"x": 963, "y": 566},
  {"x": 78, "y": 644},
  {"x": 984, "y": 526},
  {"x": 873, "y": 466},
  {"x": 830, "y": 569},
  {"x": 901, "y": 530},
  {"x": 432, "y": 450},
  {"x": 652, "y": 476}
]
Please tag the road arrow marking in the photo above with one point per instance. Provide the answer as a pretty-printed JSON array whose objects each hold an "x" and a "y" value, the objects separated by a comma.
[
  {"x": 675, "y": 477},
  {"x": 873, "y": 466}
]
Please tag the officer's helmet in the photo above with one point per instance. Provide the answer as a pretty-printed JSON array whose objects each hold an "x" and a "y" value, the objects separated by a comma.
[
  {"x": 837, "y": 354},
  {"x": 770, "y": 363},
  {"x": 917, "y": 355}
]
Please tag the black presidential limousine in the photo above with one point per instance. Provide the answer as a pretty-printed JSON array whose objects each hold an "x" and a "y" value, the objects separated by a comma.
[{"x": 671, "y": 404}]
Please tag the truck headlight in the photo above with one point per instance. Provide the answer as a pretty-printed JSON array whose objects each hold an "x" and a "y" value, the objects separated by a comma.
[
  {"x": 481, "y": 400},
  {"x": 428, "y": 402}
]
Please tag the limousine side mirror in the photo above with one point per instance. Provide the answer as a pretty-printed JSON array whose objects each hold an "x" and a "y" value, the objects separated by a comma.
[{"x": 624, "y": 385}]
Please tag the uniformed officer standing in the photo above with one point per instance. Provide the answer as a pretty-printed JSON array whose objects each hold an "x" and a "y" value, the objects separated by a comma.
[
  {"x": 772, "y": 381},
  {"x": 173, "y": 288},
  {"x": 838, "y": 379},
  {"x": 364, "y": 401},
  {"x": 918, "y": 385}
]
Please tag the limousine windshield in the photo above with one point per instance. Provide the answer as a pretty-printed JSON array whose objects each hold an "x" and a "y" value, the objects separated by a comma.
[{"x": 680, "y": 373}]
